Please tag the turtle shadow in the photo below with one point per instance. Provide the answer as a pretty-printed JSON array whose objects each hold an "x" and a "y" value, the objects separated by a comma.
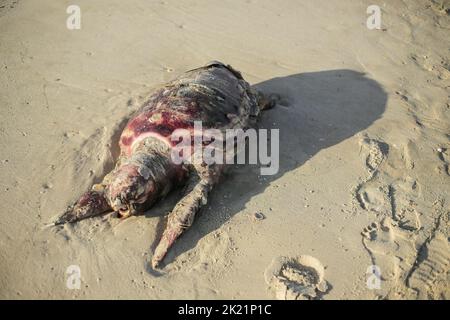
[{"x": 317, "y": 110}]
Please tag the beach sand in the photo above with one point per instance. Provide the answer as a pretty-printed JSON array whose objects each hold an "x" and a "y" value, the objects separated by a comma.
[{"x": 364, "y": 177}]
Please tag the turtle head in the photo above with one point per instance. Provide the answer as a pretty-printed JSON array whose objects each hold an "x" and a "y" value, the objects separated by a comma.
[{"x": 130, "y": 189}]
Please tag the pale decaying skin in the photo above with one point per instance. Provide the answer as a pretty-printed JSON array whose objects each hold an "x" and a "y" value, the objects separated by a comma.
[{"x": 215, "y": 94}]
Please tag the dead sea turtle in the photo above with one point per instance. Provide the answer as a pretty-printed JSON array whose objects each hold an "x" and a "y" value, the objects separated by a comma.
[{"x": 145, "y": 172}]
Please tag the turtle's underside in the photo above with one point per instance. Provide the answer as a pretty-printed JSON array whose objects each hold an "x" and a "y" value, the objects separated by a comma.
[{"x": 216, "y": 95}]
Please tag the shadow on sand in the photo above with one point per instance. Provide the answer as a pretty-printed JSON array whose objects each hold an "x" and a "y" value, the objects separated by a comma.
[{"x": 317, "y": 110}]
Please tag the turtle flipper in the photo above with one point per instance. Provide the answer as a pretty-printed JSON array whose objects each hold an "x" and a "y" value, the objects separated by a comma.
[
  {"x": 90, "y": 204},
  {"x": 182, "y": 216},
  {"x": 267, "y": 101}
]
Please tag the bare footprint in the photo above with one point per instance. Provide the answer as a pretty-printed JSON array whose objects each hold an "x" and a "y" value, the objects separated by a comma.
[
  {"x": 410, "y": 154},
  {"x": 391, "y": 196},
  {"x": 370, "y": 194},
  {"x": 404, "y": 194},
  {"x": 374, "y": 197},
  {"x": 392, "y": 250},
  {"x": 300, "y": 278},
  {"x": 374, "y": 151}
]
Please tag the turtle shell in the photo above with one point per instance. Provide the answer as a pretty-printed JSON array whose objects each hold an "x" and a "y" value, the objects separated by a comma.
[{"x": 215, "y": 94}]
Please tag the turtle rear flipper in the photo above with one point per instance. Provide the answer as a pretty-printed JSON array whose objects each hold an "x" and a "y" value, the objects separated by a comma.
[{"x": 267, "y": 101}]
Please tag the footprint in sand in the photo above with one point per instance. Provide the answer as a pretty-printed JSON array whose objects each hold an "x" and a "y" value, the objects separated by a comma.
[
  {"x": 403, "y": 195},
  {"x": 374, "y": 151},
  {"x": 384, "y": 194},
  {"x": 437, "y": 65},
  {"x": 300, "y": 278},
  {"x": 444, "y": 156},
  {"x": 429, "y": 277},
  {"x": 372, "y": 196},
  {"x": 440, "y": 7},
  {"x": 391, "y": 249},
  {"x": 369, "y": 194},
  {"x": 396, "y": 200}
]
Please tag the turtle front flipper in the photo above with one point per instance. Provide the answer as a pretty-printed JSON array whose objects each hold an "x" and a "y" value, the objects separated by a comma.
[
  {"x": 90, "y": 204},
  {"x": 200, "y": 183}
]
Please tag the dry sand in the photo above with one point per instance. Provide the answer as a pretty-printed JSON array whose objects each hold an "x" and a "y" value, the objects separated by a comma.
[{"x": 364, "y": 170}]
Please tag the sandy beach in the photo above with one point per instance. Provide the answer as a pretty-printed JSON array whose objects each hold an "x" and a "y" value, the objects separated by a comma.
[{"x": 362, "y": 195}]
